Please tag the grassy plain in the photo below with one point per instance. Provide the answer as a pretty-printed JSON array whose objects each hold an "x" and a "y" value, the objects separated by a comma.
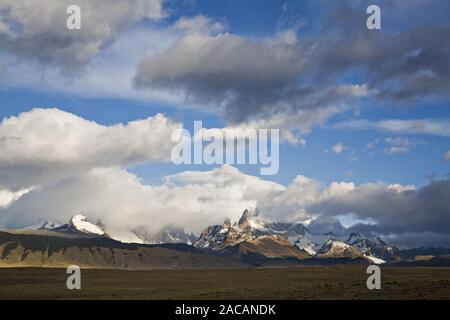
[{"x": 300, "y": 282}]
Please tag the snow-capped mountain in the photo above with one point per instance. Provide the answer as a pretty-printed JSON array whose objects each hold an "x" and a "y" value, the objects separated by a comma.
[
  {"x": 250, "y": 240},
  {"x": 216, "y": 238},
  {"x": 250, "y": 227},
  {"x": 338, "y": 249},
  {"x": 81, "y": 224},
  {"x": 251, "y": 236},
  {"x": 168, "y": 234},
  {"x": 43, "y": 225},
  {"x": 375, "y": 248},
  {"x": 362, "y": 243}
]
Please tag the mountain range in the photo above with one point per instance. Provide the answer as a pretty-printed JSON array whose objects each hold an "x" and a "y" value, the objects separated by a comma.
[{"x": 251, "y": 241}]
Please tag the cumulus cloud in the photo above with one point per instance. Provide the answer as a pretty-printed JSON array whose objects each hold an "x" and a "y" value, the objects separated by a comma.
[
  {"x": 46, "y": 144},
  {"x": 36, "y": 30}
]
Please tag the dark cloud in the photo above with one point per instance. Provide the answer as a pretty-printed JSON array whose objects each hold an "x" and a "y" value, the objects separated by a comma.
[
  {"x": 396, "y": 210},
  {"x": 284, "y": 77},
  {"x": 248, "y": 80},
  {"x": 36, "y": 30},
  {"x": 324, "y": 224}
]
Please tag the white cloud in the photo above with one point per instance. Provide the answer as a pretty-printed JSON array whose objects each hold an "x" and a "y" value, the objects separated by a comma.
[
  {"x": 435, "y": 127},
  {"x": 397, "y": 150},
  {"x": 8, "y": 197},
  {"x": 393, "y": 145},
  {"x": 200, "y": 24},
  {"x": 119, "y": 199},
  {"x": 46, "y": 144},
  {"x": 338, "y": 148}
]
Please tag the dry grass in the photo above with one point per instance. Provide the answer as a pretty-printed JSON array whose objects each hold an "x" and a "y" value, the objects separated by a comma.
[{"x": 312, "y": 282}]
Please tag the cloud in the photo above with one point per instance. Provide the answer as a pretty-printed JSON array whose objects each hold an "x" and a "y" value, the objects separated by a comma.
[
  {"x": 46, "y": 144},
  {"x": 325, "y": 224},
  {"x": 435, "y": 127},
  {"x": 109, "y": 73},
  {"x": 36, "y": 30},
  {"x": 402, "y": 64},
  {"x": 117, "y": 197},
  {"x": 400, "y": 145},
  {"x": 247, "y": 81},
  {"x": 200, "y": 24},
  {"x": 338, "y": 148},
  {"x": 300, "y": 83},
  {"x": 7, "y": 197},
  {"x": 396, "y": 209},
  {"x": 196, "y": 199}
]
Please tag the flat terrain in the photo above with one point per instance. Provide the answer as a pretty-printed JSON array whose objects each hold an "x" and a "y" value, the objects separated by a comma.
[{"x": 311, "y": 282}]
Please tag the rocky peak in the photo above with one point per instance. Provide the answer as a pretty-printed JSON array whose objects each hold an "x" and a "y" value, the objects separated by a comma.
[{"x": 247, "y": 215}]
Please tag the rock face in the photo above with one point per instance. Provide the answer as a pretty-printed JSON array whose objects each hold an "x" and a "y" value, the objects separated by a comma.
[
  {"x": 248, "y": 240},
  {"x": 251, "y": 235}
]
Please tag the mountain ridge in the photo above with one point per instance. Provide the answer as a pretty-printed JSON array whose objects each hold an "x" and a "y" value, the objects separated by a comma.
[{"x": 251, "y": 241}]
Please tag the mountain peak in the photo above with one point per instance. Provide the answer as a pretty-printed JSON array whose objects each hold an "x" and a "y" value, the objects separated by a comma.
[
  {"x": 247, "y": 215},
  {"x": 81, "y": 223},
  {"x": 43, "y": 225}
]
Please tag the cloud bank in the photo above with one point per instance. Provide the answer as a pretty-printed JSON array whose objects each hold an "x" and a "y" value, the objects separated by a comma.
[
  {"x": 56, "y": 164},
  {"x": 43, "y": 145}
]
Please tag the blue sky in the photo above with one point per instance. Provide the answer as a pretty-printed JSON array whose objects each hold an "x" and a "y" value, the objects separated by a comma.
[{"x": 370, "y": 105}]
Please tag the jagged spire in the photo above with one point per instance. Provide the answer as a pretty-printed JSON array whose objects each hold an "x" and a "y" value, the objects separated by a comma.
[{"x": 246, "y": 215}]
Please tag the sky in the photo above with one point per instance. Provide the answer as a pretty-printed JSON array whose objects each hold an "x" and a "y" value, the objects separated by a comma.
[{"x": 87, "y": 115}]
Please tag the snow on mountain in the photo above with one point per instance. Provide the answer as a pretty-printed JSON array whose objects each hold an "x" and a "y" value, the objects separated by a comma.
[
  {"x": 362, "y": 243},
  {"x": 247, "y": 230},
  {"x": 375, "y": 260},
  {"x": 338, "y": 249},
  {"x": 43, "y": 225},
  {"x": 251, "y": 226},
  {"x": 168, "y": 234},
  {"x": 313, "y": 242},
  {"x": 82, "y": 224}
]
